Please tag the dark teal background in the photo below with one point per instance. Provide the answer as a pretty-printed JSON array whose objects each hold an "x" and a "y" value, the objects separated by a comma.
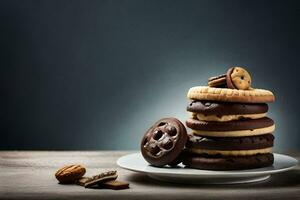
[{"x": 97, "y": 74}]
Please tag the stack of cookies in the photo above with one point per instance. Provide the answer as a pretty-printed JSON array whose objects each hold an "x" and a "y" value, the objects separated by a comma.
[{"x": 230, "y": 127}]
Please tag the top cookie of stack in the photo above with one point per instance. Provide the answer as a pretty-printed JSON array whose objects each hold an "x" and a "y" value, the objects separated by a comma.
[
  {"x": 230, "y": 129},
  {"x": 234, "y": 86}
]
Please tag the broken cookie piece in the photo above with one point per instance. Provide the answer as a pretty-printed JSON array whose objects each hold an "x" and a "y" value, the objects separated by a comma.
[
  {"x": 100, "y": 178},
  {"x": 115, "y": 185}
]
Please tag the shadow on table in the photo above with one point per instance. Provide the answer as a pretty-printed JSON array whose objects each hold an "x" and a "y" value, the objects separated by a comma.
[{"x": 287, "y": 179}]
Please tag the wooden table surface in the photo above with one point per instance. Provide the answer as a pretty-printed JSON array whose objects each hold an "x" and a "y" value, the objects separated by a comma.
[{"x": 30, "y": 175}]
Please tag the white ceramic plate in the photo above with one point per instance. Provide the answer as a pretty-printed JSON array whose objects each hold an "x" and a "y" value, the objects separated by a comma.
[{"x": 135, "y": 162}]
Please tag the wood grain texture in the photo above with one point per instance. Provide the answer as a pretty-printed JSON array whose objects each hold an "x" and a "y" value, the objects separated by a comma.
[{"x": 30, "y": 175}]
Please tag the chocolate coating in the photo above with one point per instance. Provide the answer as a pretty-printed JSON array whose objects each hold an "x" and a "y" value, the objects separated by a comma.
[
  {"x": 227, "y": 162},
  {"x": 229, "y": 143},
  {"x": 229, "y": 82},
  {"x": 226, "y": 108},
  {"x": 163, "y": 142},
  {"x": 222, "y": 76},
  {"x": 246, "y": 124},
  {"x": 217, "y": 81}
]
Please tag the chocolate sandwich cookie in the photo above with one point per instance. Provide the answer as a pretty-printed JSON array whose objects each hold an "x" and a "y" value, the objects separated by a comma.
[
  {"x": 217, "y": 81},
  {"x": 219, "y": 162},
  {"x": 98, "y": 179},
  {"x": 229, "y": 143},
  {"x": 226, "y": 108},
  {"x": 163, "y": 142},
  {"x": 247, "y": 124}
]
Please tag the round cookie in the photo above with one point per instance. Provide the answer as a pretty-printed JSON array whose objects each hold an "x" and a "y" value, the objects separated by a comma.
[
  {"x": 247, "y": 124},
  {"x": 226, "y": 108},
  {"x": 229, "y": 143},
  {"x": 163, "y": 142},
  {"x": 238, "y": 78},
  {"x": 217, "y": 81},
  {"x": 230, "y": 95},
  {"x": 227, "y": 162}
]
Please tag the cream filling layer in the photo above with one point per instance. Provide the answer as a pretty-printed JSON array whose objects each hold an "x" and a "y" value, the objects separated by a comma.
[
  {"x": 230, "y": 153},
  {"x": 226, "y": 118},
  {"x": 239, "y": 133}
]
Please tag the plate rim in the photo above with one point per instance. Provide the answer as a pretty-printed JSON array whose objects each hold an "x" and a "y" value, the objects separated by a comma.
[{"x": 216, "y": 173}]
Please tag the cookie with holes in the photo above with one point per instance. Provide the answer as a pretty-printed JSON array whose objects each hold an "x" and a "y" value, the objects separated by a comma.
[
  {"x": 238, "y": 78},
  {"x": 163, "y": 142}
]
